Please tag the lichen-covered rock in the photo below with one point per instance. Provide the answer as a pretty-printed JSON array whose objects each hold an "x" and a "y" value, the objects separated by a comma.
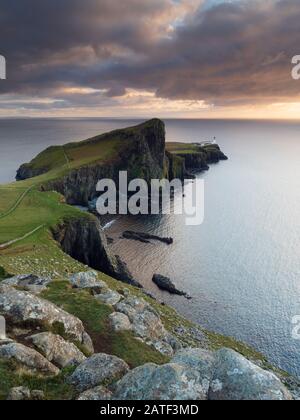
[
  {"x": 235, "y": 378},
  {"x": 20, "y": 307},
  {"x": 167, "y": 382},
  {"x": 147, "y": 325},
  {"x": 30, "y": 282},
  {"x": 28, "y": 358},
  {"x": 88, "y": 280},
  {"x": 20, "y": 393},
  {"x": 96, "y": 394},
  {"x": 96, "y": 370},
  {"x": 109, "y": 297},
  {"x": 58, "y": 351},
  {"x": 120, "y": 322}
]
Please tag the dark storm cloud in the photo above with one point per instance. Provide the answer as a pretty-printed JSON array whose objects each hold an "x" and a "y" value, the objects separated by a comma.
[{"x": 226, "y": 54}]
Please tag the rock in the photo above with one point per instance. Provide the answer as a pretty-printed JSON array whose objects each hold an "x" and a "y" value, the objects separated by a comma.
[
  {"x": 96, "y": 394},
  {"x": 147, "y": 325},
  {"x": 20, "y": 307},
  {"x": 163, "y": 383},
  {"x": 57, "y": 350},
  {"x": 164, "y": 283},
  {"x": 20, "y": 393},
  {"x": 145, "y": 237},
  {"x": 120, "y": 322},
  {"x": 5, "y": 341},
  {"x": 96, "y": 370},
  {"x": 88, "y": 280},
  {"x": 235, "y": 378},
  {"x": 28, "y": 282},
  {"x": 87, "y": 343},
  {"x": 109, "y": 297},
  {"x": 28, "y": 358},
  {"x": 37, "y": 395}
]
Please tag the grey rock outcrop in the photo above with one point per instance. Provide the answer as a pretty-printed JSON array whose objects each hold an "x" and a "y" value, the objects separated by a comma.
[
  {"x": 164, "y": 283},
  {"x": 58, "y": 351},
  {"x": 235, "y": 378},
  {"x": 21, "y": 308},
  {"x": 109, "y": 297},
  {"x": 28, "y": 358},
  {"x": 96, "y": 370},
  {"x": 29, "y": 282},
  {"x": 96, "y": 394},
  {"x": 147, "y": 325},
  {"x": 120, "y": 322},
  {"x": 20, "y": 393},
  {"x": 88, "y": 280}
]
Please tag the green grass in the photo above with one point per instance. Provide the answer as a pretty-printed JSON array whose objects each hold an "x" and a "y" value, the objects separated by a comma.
[{"x": 57, "y": 388}]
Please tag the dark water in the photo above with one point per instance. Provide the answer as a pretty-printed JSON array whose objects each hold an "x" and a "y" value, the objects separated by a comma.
[{"x": 242, "y": 265}]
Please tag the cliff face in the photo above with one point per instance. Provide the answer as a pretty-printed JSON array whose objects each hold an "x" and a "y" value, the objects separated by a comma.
[{"x": 84, "y": 240}]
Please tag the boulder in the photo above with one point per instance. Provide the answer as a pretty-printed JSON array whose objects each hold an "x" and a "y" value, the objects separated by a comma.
[
  {"x": 120, "y": 322},
  {"x": 29, "y": 358},
  {"x": 96, "y": 370},
  {"x": 96, "y": 394},
  {"x": 109, "y": 297},
  {"x": 88, "y": 280},
  {"x": 21, "y": 308},
  {"x": 170, "y": 382},
  {"x": 20, "y": 393},
  {"x": 235, "y": 378},
  {"x": 28, "y": 282},
  {"x": 58, "y": 351},
  {"x": 147, "y": 325}
]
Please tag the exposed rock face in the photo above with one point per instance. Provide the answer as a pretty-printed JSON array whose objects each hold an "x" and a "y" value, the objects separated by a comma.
[
  {"x": 167, "y": 382},
  {"x": 57, "y": 350},
  {"x": 96, "y": 370},
  {"x": 109, "y": 297},
  {"x": 164, "y": 283},
  {"x": 28, "y": 358},
  {"x": 120, "y": 322},
  {"x": 147, "y": 325},
  {"x": 28, "y": 282},
  {"x": 84, "y": 240},
  {"x": 20, "y": 307},
  {"x": 88, "y": 280},
  {"x": 196, "y": 374},
  {"x": 96, "y": 394},
  {"x": 235, "y": 378}
]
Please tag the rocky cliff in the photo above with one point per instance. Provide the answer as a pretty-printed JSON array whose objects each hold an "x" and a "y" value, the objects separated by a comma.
[{"x": 84, "y": 240}]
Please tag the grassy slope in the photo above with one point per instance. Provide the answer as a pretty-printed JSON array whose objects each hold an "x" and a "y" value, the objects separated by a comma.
[{"x": 39, "y": 254}]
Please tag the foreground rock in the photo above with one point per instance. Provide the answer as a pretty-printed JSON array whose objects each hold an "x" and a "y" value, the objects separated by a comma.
[
  {"x": 24, "y": 394},
  {"x": 28, "y": 358},
  {"x": 235, "y": 378},
  {"x": 21, "y": 308},
  {"x": 196, "y": 374},
  {"x": 57, "y": 350},
  {"x": 164, "y": 283},
  {"x": 120, "y": 322},
  {"x": 145, "y": 237},
  {"x": 88, "y": 280},
  {"x": 147, "y": 325},
  {"x": 96, "y": 370},
  {"x": 109, "y": 297},
  {"x": 96, "y": 394},
  {"x": 28, "y": 282}
]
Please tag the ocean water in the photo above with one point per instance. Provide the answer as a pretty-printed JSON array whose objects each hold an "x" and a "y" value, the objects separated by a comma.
[{"x": 242, "y": 265}]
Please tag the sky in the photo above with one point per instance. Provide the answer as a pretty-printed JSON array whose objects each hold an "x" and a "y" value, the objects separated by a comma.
[{"x": 146, "y": 58}]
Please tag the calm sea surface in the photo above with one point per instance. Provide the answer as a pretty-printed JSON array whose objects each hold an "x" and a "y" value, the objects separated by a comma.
[{"x": 242, "y": 265}]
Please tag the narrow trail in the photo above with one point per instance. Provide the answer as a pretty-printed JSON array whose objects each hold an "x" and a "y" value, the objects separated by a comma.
[
  {"x": 66, "y": 157},
  {"x": 7, "y": 244},
  {"x": 17, "y": 203}
]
